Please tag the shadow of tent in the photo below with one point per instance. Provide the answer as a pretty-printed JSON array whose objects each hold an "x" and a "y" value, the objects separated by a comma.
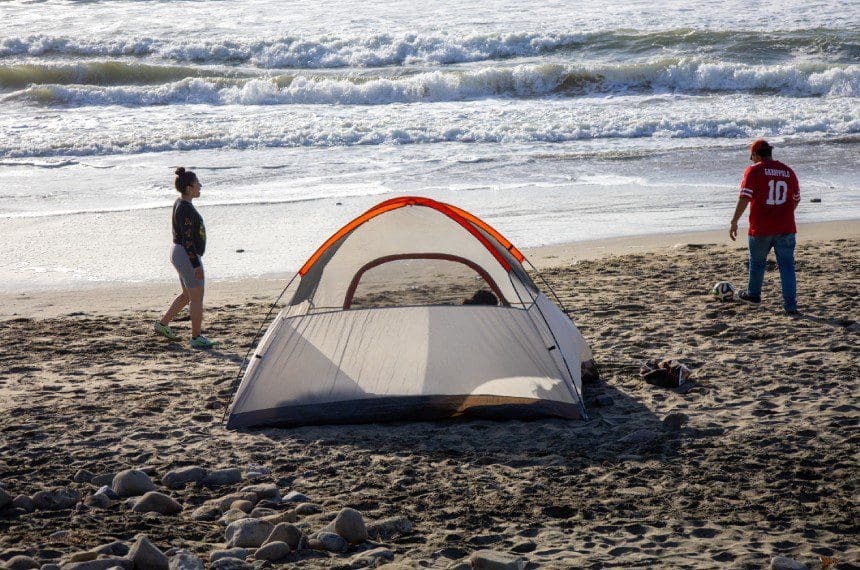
[{"x": 625, "y": 430}]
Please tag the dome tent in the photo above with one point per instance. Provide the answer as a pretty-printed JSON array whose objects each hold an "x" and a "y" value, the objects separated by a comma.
[{"x": 323, "y": 360}]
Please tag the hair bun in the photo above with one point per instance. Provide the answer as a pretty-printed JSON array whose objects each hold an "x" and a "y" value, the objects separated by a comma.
[{"x": 180, "y": 171}]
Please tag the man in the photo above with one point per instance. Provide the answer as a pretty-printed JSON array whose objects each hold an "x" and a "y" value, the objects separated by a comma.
[{"x": 772, "y": 189}]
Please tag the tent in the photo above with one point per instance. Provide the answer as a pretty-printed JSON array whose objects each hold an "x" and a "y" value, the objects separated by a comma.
[{"x": 331, "y": 357}]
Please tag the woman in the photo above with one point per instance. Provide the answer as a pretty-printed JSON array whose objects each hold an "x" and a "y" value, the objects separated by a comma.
[{"x": 189, "y": 243}]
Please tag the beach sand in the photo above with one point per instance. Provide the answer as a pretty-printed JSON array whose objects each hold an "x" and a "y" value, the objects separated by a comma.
[{"x": 759, "y": 460}]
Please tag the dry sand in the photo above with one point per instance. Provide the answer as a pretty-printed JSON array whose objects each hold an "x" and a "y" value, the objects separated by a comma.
[{"x": 765, "y": 464}]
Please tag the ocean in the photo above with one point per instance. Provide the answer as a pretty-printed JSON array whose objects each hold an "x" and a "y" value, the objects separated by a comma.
[{"x": 553, "y": 121}]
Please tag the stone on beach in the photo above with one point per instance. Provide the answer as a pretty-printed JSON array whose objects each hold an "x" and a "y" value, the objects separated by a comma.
[
  {"x": 56, "y": 500},
  {"x": 232, "y": 516},
  {"x": 307, "y": 509},
  {"x": 156, "y": 502},
  {"x": 115, "y": 548},
  {"x": 286, "y": 532},
  {"x": 390, "y": 527},
  {"x": 83, "y": 556},
  {"x": 494, "y": 560},
  {"x": 226, "y": 501},
  {"x": 83, "y": 476},
  {"x": 242, "y": 505},
  {"x": 263, "y": 491},
  {"x": 230, "y": 564},
  {"x": 248, "y": 532},
  {"x": 273, "y": 551},
  {"x": 24, "y": 503},
  {"x": 184, "y": 560},
  {"x": 145, "y": 555},
  {"x": 131, "y": 483},
  {"x": 178, "y": 478},
  {"x": 222, "y": 477},
  {"x": 98, "y": 501},
  {"x": 328, "y": 541},
  {"x": 373, "y": 557},
  {"x": 206, "y": 513},
  {"x": 5, "y": 499},
  {"x": 675, "y": 420},
  {"x": 240, "y": 553},
  {"x": 296, "y": 497},
  {"x": 100, "y": 564},
  {"x": 783, "y": 563},
  {"x": 350, "y": 525},
  {"x": 260, "y": 513},
  {"x": 283, "y": 517},
  {"x": 21, "y": 562},
  {"x": 102, "y": 479}
]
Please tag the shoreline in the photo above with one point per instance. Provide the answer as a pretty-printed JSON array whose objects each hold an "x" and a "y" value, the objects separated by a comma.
[{"x": 116, "y": 298}]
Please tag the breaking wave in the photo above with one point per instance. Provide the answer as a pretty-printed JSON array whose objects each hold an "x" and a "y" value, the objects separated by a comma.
[{"x": 96, "y": 73}]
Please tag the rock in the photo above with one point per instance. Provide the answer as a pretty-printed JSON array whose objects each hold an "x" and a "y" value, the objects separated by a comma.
[
  {"x": 783, "y": 563},
  {"x": 98, "y": 501},
  {"x": 83, "y": 476},
  {"x": 230, "y": 564},
  {"x": 248, "y": 532},
  {"x": 286, "y": 516},
  {"x": 206, "y": 513},
  {"x": 49, "y": 567},
  {"x": 296, "y": 497},
  {"x": 263, "y": 491},
  {"x": 222, "y": 477},
  {"x": 286, "y": 532},
  {"x": 146, "y": 556},
  {"x": 115, "y": 548},
  {"x": 675, "y": 420},
  {"x": 242, "y": 505},
  {"x": 232, "y": 516},
  {"x": 350, "y": 525},
  {"x": 21, "y": 562},
  {"x": 5, "y": 499},
  {"x": 259, "y": 513},
  {"x": 55, "y": 500},
  {"x": 328, "y": 541},
  {"x": 131, "y": 483},
  {"x": 84, "y": 556},
  {"x": 390, "y": 527},
  {"x": 373, "y": 557},
  {"x": 493, "y": 560},
  {"x": 639, "y": 437},
  {"x": 307, "y": 509},
  {"x": 240, "y": 553},
  {"x": 99, "y": 564},
  {"x": 178, "y": 478},
  {"x": 272, "y": 551},
  {"x": 460, "y": 566},
  {"x": 523, "y": 547},
  {"x": 24, "y": 502},
  {"x": 184, "y": 560},
  {"x": 107, "y": 492},
  {"x": 157, "y": 502},
  {"x": 103, "y": 479},
  {"x": 604, "y": 401},
  {"x": 227, "y": 500}
]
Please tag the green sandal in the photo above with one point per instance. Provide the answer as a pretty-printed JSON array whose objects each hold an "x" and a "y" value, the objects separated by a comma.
[{"x": 165, "y": 331}]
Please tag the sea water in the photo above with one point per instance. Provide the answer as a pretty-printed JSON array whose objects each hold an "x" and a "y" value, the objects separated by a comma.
[{"x": 553, "y": 121}]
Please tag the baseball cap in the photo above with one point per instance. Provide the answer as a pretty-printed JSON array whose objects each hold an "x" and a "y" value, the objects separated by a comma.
[{"x": 759, "y": 145}]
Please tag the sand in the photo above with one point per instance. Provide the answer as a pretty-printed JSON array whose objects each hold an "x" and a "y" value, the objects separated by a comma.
[{"x": 759, "y": 460}]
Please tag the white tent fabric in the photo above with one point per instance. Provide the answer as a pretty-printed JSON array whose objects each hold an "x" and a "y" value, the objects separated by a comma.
[{"x": 322, "y": 362}]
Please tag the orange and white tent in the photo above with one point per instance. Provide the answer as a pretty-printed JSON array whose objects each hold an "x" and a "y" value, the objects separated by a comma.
[{"x": 327, "y": 359}]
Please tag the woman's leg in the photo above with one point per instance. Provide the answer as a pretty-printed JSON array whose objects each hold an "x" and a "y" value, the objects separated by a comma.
[
  {"x": 195, "y": 307},
  {"x": 178, "y": 303}
]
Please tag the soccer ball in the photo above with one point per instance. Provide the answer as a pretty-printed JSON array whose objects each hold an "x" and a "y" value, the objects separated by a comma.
[{"x": 723, "y": 291}]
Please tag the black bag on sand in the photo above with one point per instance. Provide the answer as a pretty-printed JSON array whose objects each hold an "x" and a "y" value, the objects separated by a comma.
[{"x": 666, "y": 374}]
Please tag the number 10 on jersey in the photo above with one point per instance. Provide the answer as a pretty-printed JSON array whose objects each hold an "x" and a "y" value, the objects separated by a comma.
[{"x": 778, "y": 193}]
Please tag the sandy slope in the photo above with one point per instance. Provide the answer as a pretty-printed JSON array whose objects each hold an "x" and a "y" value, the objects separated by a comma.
[{"x": 766, "y": 464}]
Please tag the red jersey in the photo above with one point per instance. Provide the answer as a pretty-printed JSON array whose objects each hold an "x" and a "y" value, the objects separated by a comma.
[{"x": 773, "y": 191}]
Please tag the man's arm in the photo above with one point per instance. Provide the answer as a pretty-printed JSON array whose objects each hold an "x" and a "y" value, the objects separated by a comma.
[{"x": 739, "y": 211}]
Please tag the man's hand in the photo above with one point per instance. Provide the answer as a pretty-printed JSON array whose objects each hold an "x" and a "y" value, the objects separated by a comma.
[
  {"x": 198, "y": 272},
  {"x": 733, "y": 231}
]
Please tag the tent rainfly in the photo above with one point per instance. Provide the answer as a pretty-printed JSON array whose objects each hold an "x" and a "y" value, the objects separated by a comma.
[{"x": 323, "y": 360}]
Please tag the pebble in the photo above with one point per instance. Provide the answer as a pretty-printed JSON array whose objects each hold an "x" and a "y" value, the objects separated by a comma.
[
  {"x": 296, "y": 497},
  {"x": 83, "y": 476},
  {"x": 154, "y": 501},
  {"x": 350, "y": 525},
  {"x": 248, "y": 532},
  {"x": 286, "y": 516},
  {"x": 272, "y": 551},
  {"x": 5, "y": 499},
  {"x": 222, "y": 477},
  {"x": 184, "y": 560},
  {"x": 783, "y": 563},
  {"x": 227, "y": 500},
  {"x": 131, "y": 483},
  {"x": 107, "y": 492},
  {"x": 144, "y": 554},
  {"x": 84, "y": 556},
  {"x": 98, "y": 501},
  {"x": 307, "y": 509},
  {"x": 56, "y": 500},
  {"x": 177, "y": 479},
  {"x": 260, "y": 513},
  {"x": 232, "y": 516},
  {"x": 100, "y": 564},
  {"x": 286, "y": 532},
  {"x": 240, "y": 553},
  {"x": 21, "y": 562},
  {"x": 24, "y": 502},
  {"x": 494, "y": 560},
  {"x": 390, "y": 527},
  {"x": 242, "y": 505},
  {"x": 374, "y": 557},
  {"x": 50, "y": 567},
  {"x": 263, "y": 491},
  {"x": 230, "y": 564},
  {"x": 328, "y": 541},
  {"x": 206, "y": 513},
  {"x": 103, "y": 479},
  {"x": 675, "y": 420},
  {"x": 115, "y": 548}
]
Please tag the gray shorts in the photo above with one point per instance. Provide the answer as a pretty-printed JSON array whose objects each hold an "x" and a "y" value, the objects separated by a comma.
[{"x": 179, "y": 259}]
